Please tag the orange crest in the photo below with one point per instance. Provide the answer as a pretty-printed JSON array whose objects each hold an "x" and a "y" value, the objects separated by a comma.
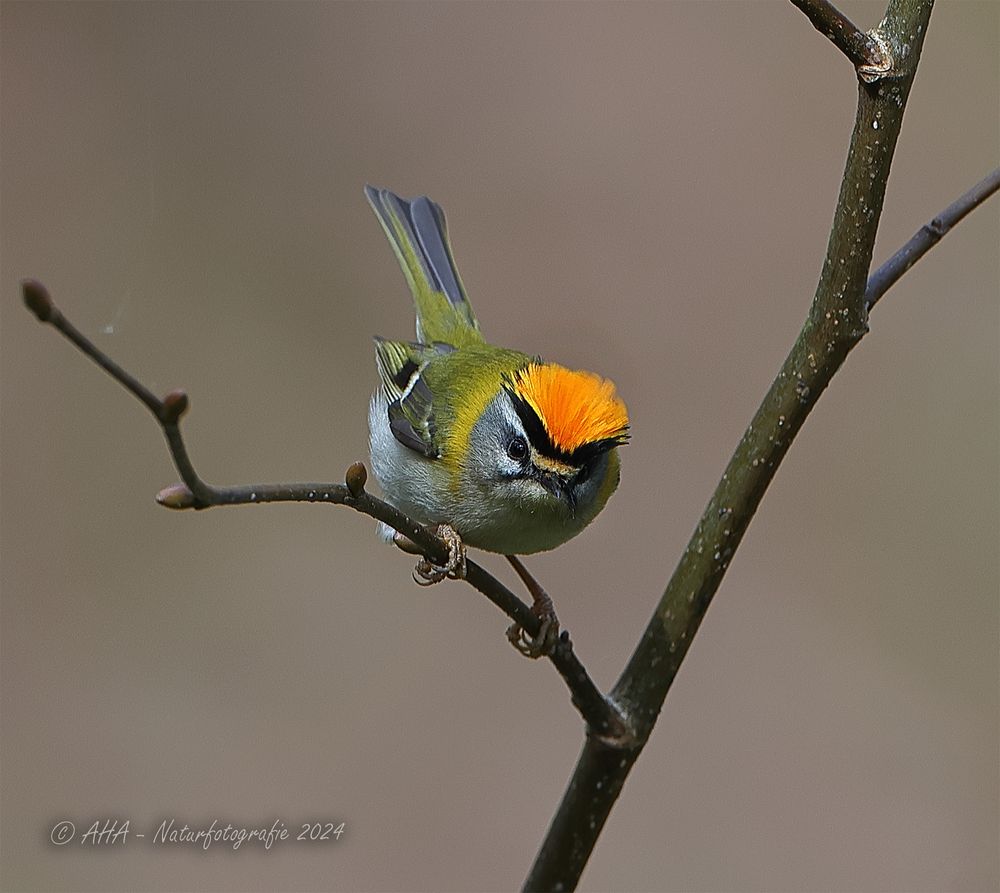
[{"x": 576, "y": 408}]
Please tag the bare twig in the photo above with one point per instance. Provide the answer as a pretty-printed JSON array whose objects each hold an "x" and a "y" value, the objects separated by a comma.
[
  {"x": 602, "y": 717},
  {"x": 862, "y": 49},
  {"x": 928, "y": 236}
]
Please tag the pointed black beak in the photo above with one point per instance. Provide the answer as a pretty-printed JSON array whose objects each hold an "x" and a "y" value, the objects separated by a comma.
[{"x": 560, "y": 487}]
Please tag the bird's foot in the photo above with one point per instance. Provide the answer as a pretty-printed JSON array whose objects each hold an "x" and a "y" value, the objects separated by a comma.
[
  {"x": 537, "y": 646},
  {"x": 426, "y": 573},
  {"x": 544, "y": 642}
]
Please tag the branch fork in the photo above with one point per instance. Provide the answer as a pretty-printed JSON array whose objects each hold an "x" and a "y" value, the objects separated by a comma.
[
  {"x": 618, "y": 725},
  {"x": 867, "y": 51}
]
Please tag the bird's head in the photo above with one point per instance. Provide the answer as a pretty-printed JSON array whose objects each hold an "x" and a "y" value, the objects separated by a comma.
[{"x": 547, "y": 443}]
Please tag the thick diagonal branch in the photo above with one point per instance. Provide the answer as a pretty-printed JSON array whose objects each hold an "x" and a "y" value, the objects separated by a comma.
[{"x": 837, "y": 320}]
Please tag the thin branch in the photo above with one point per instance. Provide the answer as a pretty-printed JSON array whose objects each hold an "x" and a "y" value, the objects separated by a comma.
[
  {"x": 837, "y": 321},
  {"x": 928, "y": 236},
  {"x": 602, "y": 717},
  {"x": 862, "y": 49}
]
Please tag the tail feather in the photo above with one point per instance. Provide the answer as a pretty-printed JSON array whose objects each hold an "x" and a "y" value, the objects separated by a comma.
[{"x": 418, "y": 234}]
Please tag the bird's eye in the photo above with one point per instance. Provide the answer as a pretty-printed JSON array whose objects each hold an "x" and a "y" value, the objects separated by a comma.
[{"x": 517, "y": 449}]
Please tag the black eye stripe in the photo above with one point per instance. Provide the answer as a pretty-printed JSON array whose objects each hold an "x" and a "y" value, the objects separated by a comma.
[
  {"x": 533, "y": 426},
  {"x": 541, "y": 441}
]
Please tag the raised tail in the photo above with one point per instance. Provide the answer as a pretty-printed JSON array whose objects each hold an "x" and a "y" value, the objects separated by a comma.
[{"x": 419, "y": 236}]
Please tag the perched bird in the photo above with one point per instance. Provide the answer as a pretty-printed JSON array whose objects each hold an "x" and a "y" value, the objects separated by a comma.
[{"x": 497, "y": 449}]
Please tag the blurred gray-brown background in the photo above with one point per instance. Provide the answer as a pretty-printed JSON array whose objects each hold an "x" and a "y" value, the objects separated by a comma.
[{"x": 644, "y": 190}]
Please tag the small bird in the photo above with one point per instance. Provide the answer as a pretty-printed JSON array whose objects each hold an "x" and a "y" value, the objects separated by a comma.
[{"x": 494, "y": 448}]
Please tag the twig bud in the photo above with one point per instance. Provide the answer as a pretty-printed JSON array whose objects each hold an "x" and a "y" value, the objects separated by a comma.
[
  {"x": 174, "y": 405},
  {"x": 37, "y": 299},
  {"x": 357, "y": 477},
  {"x": 176, "y": 496},
  {"x": 880, "y": 63}
]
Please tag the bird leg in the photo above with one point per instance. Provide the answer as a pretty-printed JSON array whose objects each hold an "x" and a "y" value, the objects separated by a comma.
[
  {"x": 426, "y": 573},
  {"x": 542, "y": 607}
]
